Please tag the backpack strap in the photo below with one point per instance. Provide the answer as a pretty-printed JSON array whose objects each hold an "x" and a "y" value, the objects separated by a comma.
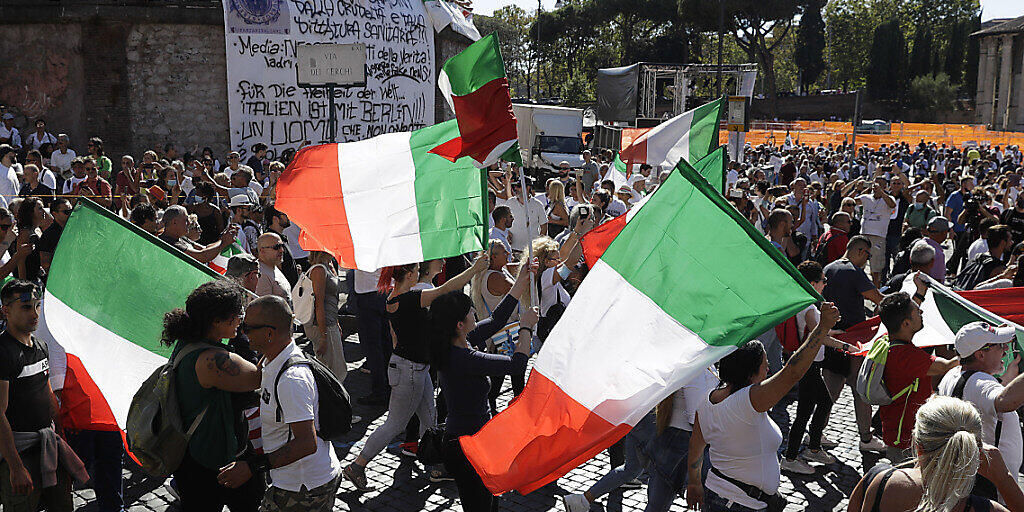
[
  {"x": 186, "y": 350},
  {"x": 881, "y": 489},
  {"x": 961, "y": 383},
  {"x": 292, "y": 361}
]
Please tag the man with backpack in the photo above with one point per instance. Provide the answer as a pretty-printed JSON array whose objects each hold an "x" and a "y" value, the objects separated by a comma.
[
  {"x": 908, "y": 371},
  {"x": 304, "y": 471},
  {"x": 832, "y": 245},
  {"x": 981, "y": 347}
]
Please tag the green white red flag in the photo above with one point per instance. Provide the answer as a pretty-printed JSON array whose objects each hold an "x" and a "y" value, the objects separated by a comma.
[
  {"x": 220, "y": 263},
  {"x": 475, "y": 87},
  {"x": 689, "y": 136},
  {"x": 109, "y": 285},
  {"x": 387, "y": 200},
  {"x": 660, "y": 304}
]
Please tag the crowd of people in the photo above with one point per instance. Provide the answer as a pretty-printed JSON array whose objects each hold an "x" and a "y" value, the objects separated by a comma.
[{"x": 859, "y": 225}]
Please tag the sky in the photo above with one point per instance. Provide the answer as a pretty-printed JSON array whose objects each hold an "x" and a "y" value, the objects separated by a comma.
[{"x": 989, "y": 8}]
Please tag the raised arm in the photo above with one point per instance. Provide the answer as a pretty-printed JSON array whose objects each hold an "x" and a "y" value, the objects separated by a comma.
[
  {"x": 765, "y": 395},
  {"x": 456, "y": 283}
]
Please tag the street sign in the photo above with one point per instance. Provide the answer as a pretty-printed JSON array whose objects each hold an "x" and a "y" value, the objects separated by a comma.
[
  {"x": 323, "y": 65},
  {"x": 736, "y": 120}
]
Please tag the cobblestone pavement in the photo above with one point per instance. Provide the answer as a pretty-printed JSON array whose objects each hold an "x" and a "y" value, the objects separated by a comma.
[{"x": 401, "y": 484}]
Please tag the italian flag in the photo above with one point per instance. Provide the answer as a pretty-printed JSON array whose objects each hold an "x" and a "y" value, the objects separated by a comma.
[
  {"x": 386, "y": 200},
  {"x": 449, "y": 14},
  {"x": 689, "y": 136},
  {"x": 474, "y": 85},
  {"x": 220, "y": 263},
  {"x": 944, "y": 312},
  {"x": 109, "y": 328},
  {"x": 661, "y": 303},
  {"x": 711, "y": 167}
]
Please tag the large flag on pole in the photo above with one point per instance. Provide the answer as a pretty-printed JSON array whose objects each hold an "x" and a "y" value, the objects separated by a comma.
[
  {"x": 684, "y": 282},
  {"x": 689, "y": 136},
  {"x": 943, "y": 312},
  {"x": 110, "y": 327},
  {"x": 386, "y": 200},
  {"x": 711, "y": 167},
  {"x": 475, "y": 87}
]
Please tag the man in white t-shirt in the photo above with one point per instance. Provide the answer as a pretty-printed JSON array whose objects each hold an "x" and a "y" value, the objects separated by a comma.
[
  {"x": 981, "y": 348},
  {"x": 533, "y": 220},
  {"x": 304, "y": 471},
  {"x": 503, "y": 220},
  {"x": 879, "y": 209},
  {"x": 60, "y": 159},
  {"x": 8, "y": 133}
]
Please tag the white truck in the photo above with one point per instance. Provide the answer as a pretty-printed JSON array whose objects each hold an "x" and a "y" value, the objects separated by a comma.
[{"x": 549, "y": 135}]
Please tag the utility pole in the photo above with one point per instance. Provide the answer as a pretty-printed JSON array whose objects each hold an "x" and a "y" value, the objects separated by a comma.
[{"x": 721, "y": 33}]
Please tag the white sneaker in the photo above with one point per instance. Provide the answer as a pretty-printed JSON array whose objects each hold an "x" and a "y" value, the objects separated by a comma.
[
  {"x": 874, "y": 445},
  {"x": 575, "y": 503},
  {"x": 796, "y": 466},
  {"x": 820, "y": 456},
  {"x": 826, "y": 443}
]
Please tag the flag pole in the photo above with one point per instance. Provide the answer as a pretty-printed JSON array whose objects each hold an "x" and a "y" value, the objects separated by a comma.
[{"x": 534, "y": 300}]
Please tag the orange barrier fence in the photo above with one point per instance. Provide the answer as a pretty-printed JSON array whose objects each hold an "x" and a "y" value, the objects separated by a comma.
[{"x": 834, "y": 132}]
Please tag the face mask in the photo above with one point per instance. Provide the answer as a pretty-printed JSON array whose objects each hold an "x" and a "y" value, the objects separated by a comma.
[{"x": 171, "y": 183}]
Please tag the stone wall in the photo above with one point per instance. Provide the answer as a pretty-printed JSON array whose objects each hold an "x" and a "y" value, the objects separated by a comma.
[
  {"x": 176, "y": 78},
  {"x": 137, "y": 73}
]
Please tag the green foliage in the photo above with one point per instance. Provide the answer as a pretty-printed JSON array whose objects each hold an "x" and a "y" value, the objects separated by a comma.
[
  {"x": 887, "y": 71},
  {"x": 921, "y": 55},
  {"x": 810, "y": 44},
  {"x": 932, "y": 93}
]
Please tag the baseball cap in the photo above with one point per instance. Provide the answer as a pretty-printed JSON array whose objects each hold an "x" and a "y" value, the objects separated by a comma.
[
  {"x": 939, "y": 224},
  {"x": 241, "y": 264},
  {"x": 975, "y": 335},
  {"x": 239, "y": 200},
  {"x": 8, "y": 116}
]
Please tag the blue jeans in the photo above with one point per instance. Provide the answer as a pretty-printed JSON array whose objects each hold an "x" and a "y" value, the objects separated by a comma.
[
  {"x": 716, "y": 503},
  {"x": 637, "y": 457},
  {"x": 103, "y": 455},
  {"x": 669, "y": 451}
]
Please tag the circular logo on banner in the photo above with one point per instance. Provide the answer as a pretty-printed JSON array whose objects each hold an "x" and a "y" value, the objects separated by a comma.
[{"x": 257, "y": 12}]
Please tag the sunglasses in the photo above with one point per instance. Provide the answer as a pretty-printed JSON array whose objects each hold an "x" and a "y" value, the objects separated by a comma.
[
  {"x": 246, "y": 328},
  {"x": 65, "y": 211},
  {"x": 276, "y": 247},
  {"x": 5, "y": 227}
]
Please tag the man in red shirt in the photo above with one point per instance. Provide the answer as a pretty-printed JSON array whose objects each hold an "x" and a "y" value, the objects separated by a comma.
[
  {"x": 906, "y": 365},
  {"x": 836, "y": 237}
]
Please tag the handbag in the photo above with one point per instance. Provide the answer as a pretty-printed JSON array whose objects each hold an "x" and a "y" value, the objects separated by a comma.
[{"x": 431, "y": 448}]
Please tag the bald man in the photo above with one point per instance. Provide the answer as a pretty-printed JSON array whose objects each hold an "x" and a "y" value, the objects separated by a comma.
[{"x": 270, "y": 252}]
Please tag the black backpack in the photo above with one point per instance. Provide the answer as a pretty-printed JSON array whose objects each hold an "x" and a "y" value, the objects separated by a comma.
[
  {"x": 335, "y": 407},
  {"x": 821, "y": 250}
]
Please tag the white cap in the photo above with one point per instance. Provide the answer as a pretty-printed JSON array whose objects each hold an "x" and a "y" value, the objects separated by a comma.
[
  {"x": 239, "y": 200},
  {"x": 975, "y": 335}
]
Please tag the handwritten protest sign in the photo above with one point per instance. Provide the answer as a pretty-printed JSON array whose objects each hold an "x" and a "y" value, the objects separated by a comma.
[{"x": 266, "y": 105}]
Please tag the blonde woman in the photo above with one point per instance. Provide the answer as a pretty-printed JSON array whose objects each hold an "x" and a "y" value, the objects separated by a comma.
[
  {"x": 325, "y": 331},
  {"x": 558, "y": 214},
  {"x": 554, "y": 267},
  {"x": 947, "y": 440}
]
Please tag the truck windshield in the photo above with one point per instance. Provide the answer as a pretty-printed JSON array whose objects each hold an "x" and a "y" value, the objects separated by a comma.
[{"x": 551, "y": 144}]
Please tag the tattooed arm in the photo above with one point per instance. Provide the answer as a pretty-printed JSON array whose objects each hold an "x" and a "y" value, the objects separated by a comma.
[
  {"x": 767, "y": 393},
  {"x": 695, "y": 459},
  {"x": 218, "y": 368}
]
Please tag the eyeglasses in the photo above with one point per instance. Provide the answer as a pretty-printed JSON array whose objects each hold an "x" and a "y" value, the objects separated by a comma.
[
  {"x": 246, "y": 328},
  {"x": 276, "y": 247},
  {"x": 5, "y": 227}
]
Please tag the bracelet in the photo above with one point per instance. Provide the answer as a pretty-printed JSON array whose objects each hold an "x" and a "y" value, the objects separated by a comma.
[
  {"x": 919, "y": 295},
  {"x": 258, "y": 462}
]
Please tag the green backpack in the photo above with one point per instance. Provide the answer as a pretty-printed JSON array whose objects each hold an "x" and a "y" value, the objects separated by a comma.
[
  {"x": 154, "y": 429},
  {"x": 870, "y": 385}
]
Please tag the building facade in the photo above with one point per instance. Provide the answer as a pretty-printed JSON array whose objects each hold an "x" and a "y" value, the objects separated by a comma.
[{"x": 1000, "y": 95}]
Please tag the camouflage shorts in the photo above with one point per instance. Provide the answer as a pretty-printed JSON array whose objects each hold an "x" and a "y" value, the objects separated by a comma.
[{"x": 319, "y": 499}]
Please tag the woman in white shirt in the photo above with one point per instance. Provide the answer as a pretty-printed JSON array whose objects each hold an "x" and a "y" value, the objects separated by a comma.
[{"x": 734, "y": 420}]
